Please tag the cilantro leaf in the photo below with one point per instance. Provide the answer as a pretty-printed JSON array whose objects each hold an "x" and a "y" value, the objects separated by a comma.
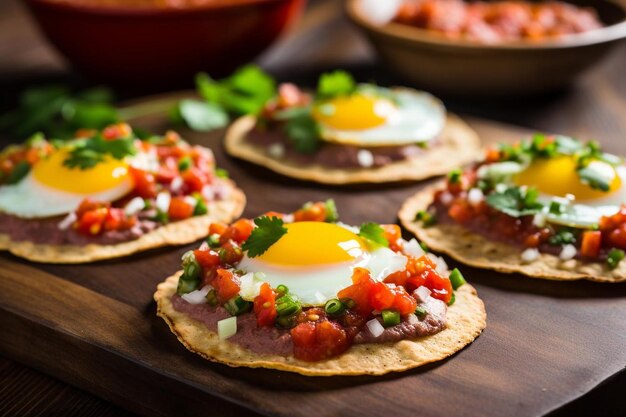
[
  {"x": 332, "y": 215},
  {"x": 267, "y": 232},
  {"x": 515, "y": 202},
  {"x": 304, "y": 133},
  {"x": 88, "y": 153},
  {"x": 374, "y": 233},
  {"x": 201, "y": 116},
  {"x": 336, "y": 83},
  {"x": 563, "y": 237}
]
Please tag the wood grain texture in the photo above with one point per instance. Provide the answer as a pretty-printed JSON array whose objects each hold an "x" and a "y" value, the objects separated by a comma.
[{"x": 546, "y": 343}]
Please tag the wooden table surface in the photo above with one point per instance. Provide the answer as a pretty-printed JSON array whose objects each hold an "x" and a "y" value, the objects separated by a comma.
[{"x": 594, "y": 108}]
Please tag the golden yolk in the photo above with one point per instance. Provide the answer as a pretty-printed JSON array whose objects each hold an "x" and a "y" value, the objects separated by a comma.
[
  {"x": 355, "y": 112},
  {"x": 557, "y": 177},
  {"x": 106, "y": 175},
  {"x": 314, "y": 243}
]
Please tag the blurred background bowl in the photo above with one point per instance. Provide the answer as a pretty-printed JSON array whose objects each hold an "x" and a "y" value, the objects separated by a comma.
[
  {"x": 466, "y": 68},
  {"x": 157, "y": 47}
]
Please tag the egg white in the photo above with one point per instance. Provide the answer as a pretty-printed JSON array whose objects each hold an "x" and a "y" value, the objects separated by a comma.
[
  {"x": 314, "y": 285},
  {"x": 418, "y": 117},
  {"x": 31, "y": 199}
]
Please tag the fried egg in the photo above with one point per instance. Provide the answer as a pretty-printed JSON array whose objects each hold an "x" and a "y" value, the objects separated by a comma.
[
  {"x": 51, "y": 188},
  {"x": 315, "y": 261},
  {"x": 556, "y": 180},
  {"x": 376, "y": 116}
]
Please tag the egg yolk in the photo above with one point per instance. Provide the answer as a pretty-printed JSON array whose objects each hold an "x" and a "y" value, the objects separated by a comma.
[
  {"x": 354, "y": 112},
  {"x": 557, "y": 177},
  {"x": 314, "y": 243},
  {"x": 106, "y": 175}
]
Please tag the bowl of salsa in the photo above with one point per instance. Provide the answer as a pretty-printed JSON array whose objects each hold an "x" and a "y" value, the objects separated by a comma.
[
  {"x": 155, "y": 44},
  {"x": 490, "y": 48}
]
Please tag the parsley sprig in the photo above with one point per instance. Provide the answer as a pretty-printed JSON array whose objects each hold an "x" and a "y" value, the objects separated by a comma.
[
  {"x": 87, "y": 153},
  {"x": 268, "y": 231}
]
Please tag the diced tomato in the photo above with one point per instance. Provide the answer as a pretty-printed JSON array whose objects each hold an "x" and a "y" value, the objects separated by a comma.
[
  {"x": 359, "y": 291},
  {"x": 274, "y": 214},
  {"x": 230, "y": 253},
  {"x": 315, "y": 212},
  {"x": 392, "y": 234},
  {"x": 226, "y": 285},
  {"x": 591, "y": 242},
  {"x": 89, "y": 204},
  {"x": 317, "y": 341},
  {"x": 90, "y": 223},
  {"x": 217, "y": 228},
  {"x": 120, "y": 130},
  {"x": 179, "y": 209},
  {"x": 403, "y": 302},
  {"x": 265, "y": 306},
  {"x": 207, "y": 258},
  {"x": 194, "y": 179},
  {"x": 492, "y": 155},
  {"x": 460, "y": 211},
  {"x": 440, "y": 286},
  {"x": 617, "y": 237},
  {"x": 145, "y": 184},
  {"x": 165, "y": 175},
  {"x": 116, "y": 219},
  {"x": 381, "y": 296},
  {"x": 239, "y": 231}
]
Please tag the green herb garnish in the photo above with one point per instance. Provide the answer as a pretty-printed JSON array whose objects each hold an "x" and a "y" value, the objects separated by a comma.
[
  {"x": 336, "y": 83},
  {"x": 373, "y": 232},
  {"x": 267, "y": 232},
  {"x": 427, "y": 218},
  {"x": 562, "y": 237},
  {"x": 199, "y": 115},
  {"x": 332, "y": 215},
  {"x": 20, "y": 170},
  {"x": 87, "y": 153},
  {"x": 454, "y": 176},
  {"x": 304, "y": 133},
  {"x": 514, "y": 202},
  {"x": 615, "y": 257}
]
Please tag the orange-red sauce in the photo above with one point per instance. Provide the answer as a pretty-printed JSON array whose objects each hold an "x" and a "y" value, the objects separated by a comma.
[{"x": 498, "y": 21}]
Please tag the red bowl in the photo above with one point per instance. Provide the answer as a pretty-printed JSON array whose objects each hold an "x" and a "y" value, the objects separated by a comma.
[{"x": 157, "y": 47}]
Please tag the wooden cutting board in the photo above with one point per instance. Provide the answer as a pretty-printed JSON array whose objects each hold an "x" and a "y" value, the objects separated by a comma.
[{"x": 94, "y": 326}]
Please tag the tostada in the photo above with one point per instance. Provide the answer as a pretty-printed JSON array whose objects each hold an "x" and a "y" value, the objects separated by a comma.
[
  {"x": 353, "y": 133},
  {"x": 109, "y": 194},
  {"x": 304, "y": 293},
  {"x": 551, "y": 207}
]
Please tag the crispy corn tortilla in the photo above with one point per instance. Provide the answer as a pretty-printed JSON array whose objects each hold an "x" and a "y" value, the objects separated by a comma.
[
  {"x": 459, "y": 145},
  {"x": 175, "y": 233},
  {"x": 466, "y": 319},
  {"x": 475, "y": 250}
]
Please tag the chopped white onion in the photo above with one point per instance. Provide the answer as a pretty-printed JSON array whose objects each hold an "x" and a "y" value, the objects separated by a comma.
[
  {"x": 67, "y": 221},
  {"x": 475, "y": 196},
  {"x": 353, "y": 229},
  {"x": 539, "y": 220},
  {"x": 436, "y": 308},
  {"x": 289, "y": 218},
  {"x": 446, "y": 198},
  {"x": 190, "y": 200},
  {"x": 134, "y": 206},
  {"x": 442, "y": 266},
  {"x": 422, "y": 294},
  {"x": 176, "y": 184},
  {"x": 276, "y": 150},
  {"x": 197, "y": 296},
  {"x": 163, "y": 201},
  {"x": 204, "y": 246},
  {"x": 375, "y": 328},
  {"x": 500, "y": 187},
  {"x": 227, "y": 328},
  {"x": 530, "y": 254},
  {"x": 365, "y": 158},
  {"x": 412, "y": 319},
  {"x": 413, "y": 248},
  {"x": 249, "y": 286},
  {"x": 568, "y": 252}
]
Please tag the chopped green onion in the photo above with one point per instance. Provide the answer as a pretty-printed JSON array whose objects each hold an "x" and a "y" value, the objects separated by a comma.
[
  {"x": 19, "y": 171},
  {"x": 213, "y": 241},
  {"x": 211, "y": 297},
  {"x": 161, "y": 217},
  {"x": 424, "y": 247},
  {"x": 390, "y": 318},
  {"x": 191, "y": 267},
  {"x": 426, "y": 218},
  {"x": 615, "y": 257},
  {"x": 454, "y": 176},
  {"x": 186, "y": 285},
  {"x": 221, "y": 173},
  {"x": 287, "y": 306},
  {"x": 456, "y": 278},
  {"x": 282, "y": 289},
  {"x": 200, "y": 208},
  {"x": 237, "y": 305},
  {"x": 556, "y": 207},
  {"x": 452, "y": 299},
  {"x": 332, "y": 215},
  {"x": 348, "y": 302},
  {"x": 286, "y": 322},
  {"x": 420, "y": 312},
  {"x": 184, "y": 163},
  {"x": 562, "y": 237},
  {"x": 334, "y": 308}
]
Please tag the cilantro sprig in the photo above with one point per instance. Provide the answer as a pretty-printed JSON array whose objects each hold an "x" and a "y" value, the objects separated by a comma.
[
  {"x": 87, "y": 153},
  {"x": 336, "y": 83},
  {"x": 515, "y": 201},
  {"x": 267, "y": 232},
  {"x": 374, "y": 233}
]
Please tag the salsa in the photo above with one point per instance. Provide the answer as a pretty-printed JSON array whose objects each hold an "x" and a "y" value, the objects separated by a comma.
[
  {"x": 498, "y": 21},
  {"x": 406, "y": 304}
]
